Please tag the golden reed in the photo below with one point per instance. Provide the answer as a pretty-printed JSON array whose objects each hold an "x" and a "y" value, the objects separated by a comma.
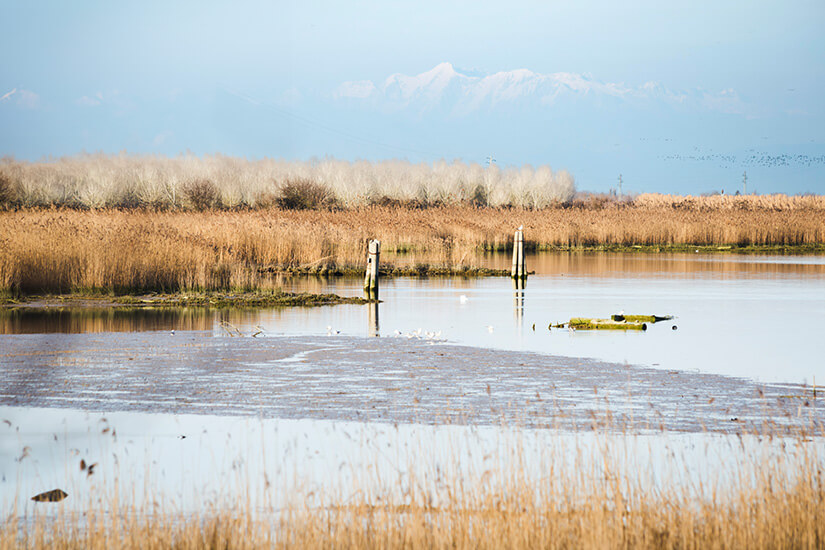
[
  {"x": 62, "y": 250},
  {"x": 768, "y": 504}
]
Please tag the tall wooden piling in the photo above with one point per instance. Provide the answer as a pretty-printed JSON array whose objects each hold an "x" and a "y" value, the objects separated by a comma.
[
  {"x": 519, "y": 273},
  {"x": 371, "y": 275}
]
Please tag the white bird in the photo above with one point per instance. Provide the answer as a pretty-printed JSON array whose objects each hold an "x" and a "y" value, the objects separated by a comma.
[
  {"x": 330, "y": 332},
  {"x": 489, "y": 328},
  {"x": 397, "y": 332},
  {"x": 463, "y": 298},
  {"x": 173, "y": 332},
  {"x": 521, "y": 228}
]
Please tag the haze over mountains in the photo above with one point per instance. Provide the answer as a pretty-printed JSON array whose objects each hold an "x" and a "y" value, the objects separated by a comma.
[{"x": 444, "y": 85}]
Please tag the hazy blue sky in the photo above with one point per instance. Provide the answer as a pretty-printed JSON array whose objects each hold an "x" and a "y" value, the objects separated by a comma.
[{"x": 680, "y": 98}]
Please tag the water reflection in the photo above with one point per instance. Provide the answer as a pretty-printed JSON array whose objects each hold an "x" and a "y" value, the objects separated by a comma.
[
  {"x": 80, "y": 320},
  {"x": 374, "y": 328},
  {"x": 518, "y": 303},
  {"x": 648, "y": 265}
]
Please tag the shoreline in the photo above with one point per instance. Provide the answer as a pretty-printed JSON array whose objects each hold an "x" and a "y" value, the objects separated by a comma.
[
  {"x": 217, "y": 300},
  {"x": 433, "y": 384}
]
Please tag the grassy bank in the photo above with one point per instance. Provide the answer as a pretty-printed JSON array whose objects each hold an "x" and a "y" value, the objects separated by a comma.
[
  {"x": 136, "y": 250},
  {"x": 212, "y": 299}
]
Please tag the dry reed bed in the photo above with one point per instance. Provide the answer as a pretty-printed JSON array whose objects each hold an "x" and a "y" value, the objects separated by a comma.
[
  {"x": 765, "y": 505},
  {"x": 132, "y": 250}
]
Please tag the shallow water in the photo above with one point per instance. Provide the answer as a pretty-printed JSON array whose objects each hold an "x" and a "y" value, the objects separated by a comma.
[
  {"x": 185, "y": 463},
  {"x": 746, "y": 316}
]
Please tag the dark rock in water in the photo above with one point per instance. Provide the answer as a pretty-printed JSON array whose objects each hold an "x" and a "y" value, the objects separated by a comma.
[
  {"x": 617, "y": 318},
  {"x": 674, "y": 327},
  {"x": 55, "y": 495}
]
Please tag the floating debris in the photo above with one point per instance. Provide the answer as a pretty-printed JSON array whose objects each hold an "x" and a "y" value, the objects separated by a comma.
[
  {"x": 55, "y": 495},
  {"x": 616, "y": 322},
  {"x": 641, "y": 318},
  {"x": 582, "y": 323}
]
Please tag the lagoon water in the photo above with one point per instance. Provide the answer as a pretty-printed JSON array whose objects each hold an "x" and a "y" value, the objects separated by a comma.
[
  {"x": 745, "y": 352},
  {"x": 758, "y": 317},
  {"x": 755, "y": 317}
]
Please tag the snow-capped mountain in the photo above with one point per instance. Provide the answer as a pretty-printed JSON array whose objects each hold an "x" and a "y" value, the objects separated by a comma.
[{"x": 444, "y": 86}]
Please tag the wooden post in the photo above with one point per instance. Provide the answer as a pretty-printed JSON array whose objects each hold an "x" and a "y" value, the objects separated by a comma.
[
  {"x": 518, "y": 271},
  {"x": 371, "y": 275},
  {"x": 514, "y": 270}
]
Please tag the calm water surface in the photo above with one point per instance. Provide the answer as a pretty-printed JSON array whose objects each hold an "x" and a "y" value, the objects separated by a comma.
[
  {"x": 758, "y": 317},
  {"x": 753, "y": 317}
]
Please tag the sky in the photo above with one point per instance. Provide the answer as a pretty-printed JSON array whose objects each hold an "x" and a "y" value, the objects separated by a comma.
[{"x": 681, "y": 98}]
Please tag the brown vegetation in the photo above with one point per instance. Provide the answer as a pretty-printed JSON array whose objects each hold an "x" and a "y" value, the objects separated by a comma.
[
  {"x": 64, "y": 250},
  {"x": 775, "y": 503}
]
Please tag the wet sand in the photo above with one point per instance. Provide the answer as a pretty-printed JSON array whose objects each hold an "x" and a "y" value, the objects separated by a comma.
[{"x": 391, "y": 380}]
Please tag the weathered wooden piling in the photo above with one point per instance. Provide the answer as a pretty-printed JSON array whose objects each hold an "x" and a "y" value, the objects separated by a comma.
[
  {"x": 371, "y": 275},
  {"x": 518, "y": 272}
]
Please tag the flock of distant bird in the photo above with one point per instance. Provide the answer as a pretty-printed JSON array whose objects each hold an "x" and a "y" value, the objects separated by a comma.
[{"x": 755, "y": 158}]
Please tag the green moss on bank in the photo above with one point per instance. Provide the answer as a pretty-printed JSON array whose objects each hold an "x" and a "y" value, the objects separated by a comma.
[
  {"x": 185, "y": 299},
  {"x": 389, "y": 270}
]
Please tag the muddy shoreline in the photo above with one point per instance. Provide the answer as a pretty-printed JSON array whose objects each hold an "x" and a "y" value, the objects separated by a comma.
[{"x": 384, "y": 380}]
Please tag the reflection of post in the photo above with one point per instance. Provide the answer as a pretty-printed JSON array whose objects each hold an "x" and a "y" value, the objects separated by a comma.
[
  {"x": 518, "y": 303},
  {"x": 374, "y": 328},
  {"x": 371, "y": 275}
]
